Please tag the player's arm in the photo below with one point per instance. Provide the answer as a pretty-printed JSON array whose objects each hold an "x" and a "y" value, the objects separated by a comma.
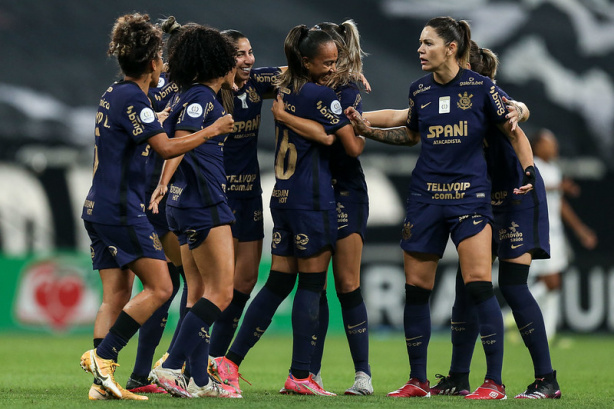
[
  {"x": 587, "y": 237},
  {"x": 522, "y": 147},
  {"x": 400, "y": 135},
  {"x": 172, "y": 147},
  {"x": 386, "y": 118},
  {"x": 168, "y": 170},
  {"x": 307, "y": 128}
]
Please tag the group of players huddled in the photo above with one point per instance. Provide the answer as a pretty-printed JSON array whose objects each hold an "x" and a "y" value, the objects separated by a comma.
[{"x": 176, "y": 193}]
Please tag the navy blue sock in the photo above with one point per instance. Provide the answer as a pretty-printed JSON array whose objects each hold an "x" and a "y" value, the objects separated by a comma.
[
  {"x": 151, "y": 331},
  {"x": 305, "y": 318},
  {"x": 120, "y": 333},
  {"x": 194, "y": 333},
  {"x": 183, "y": 310},
  {"x": 528, "y": 316},
  {"x": 491, "y": 326},
  {"x": 464, "y": 326},
  {"x": 417, "y": 323},
  {"x": 356, "y": 324},
  {"x": 318, "y": 351},
  {"x": 260, "y": 313},
  {"x": 225, "y": 326}
]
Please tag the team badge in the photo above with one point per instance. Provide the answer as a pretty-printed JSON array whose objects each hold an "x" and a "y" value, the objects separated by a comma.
[
  {"x": 465, "y": 101},
  {"x": 161, "y": 82},
  {"x": 92, "y": 252},
  {"x": 147, "y": 115},
  {"x": 301, "y": 240},
  {"x": 406, "y": 232},
  {"x": 156, "y": 241},
  {"x": 276, "y": 239},
  {"x": 194, "y": 110},
  {"x": 253, "y": 95}
]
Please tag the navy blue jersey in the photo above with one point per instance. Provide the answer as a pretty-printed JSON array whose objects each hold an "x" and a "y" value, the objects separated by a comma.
[
  {"x": 348, "y": 177},
  {"x": 200, "y": 179},
  {"x": 453, "y": 119},
  {"x": 240, "y": 156},
  {"x": 163, "y": 93},
  {"x": 506, "y": 173},
  {"x": 160, "y": 97},
  {"x": 302, "y": 172},
  {"x": 124, "y": 122}
]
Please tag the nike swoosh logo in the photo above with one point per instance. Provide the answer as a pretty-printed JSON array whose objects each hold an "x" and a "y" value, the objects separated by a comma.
[
  {"x": 259, "y": 330},
  {"x": 314, "y": 337},
  {"x": 411, "y": 339},
  {"x": 476, "y": 222},
  {"x": 341, "y": 227},
  {"x": 425, "y": 105},
  {"x": 488, "y": 336},
  {"x": 357, "y": 325},
  {"x": 516, "y": 246},
  {"x": 457, "y": 323}
]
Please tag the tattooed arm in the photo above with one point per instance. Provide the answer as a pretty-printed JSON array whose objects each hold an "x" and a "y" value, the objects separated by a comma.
[{"x": 393, "y": 136}]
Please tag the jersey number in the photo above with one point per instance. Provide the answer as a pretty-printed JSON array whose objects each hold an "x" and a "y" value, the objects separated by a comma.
[{"x": 286, "y": 149}]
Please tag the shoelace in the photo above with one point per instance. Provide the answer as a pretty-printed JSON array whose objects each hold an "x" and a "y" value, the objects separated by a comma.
[{"x": 230, "y": 370}]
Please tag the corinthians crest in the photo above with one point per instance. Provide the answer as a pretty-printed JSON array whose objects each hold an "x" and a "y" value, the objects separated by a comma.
[
  {"x": 156, "y": 241},
  {"x": 465, "y": 101},
  {"x": 406, "y": 232},
  {"x": 253, "y": 95}
]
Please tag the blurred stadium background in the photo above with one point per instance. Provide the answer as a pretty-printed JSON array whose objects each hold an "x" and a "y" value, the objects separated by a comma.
[{"x": 556, "y": 55}]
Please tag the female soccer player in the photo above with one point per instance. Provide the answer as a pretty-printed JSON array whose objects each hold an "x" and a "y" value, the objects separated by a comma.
[
  {"x": 450, "y": 111},
  {"x": 303, "y": 210},
  {"x": 521, "y": 226},
  {"x": 114, "y": 210},
  {"x": 243, "y": 183},
  {"x": 352, "y": 212},
  {"x": 200, "y": 63},
  {"x": 151, "y": 332}
]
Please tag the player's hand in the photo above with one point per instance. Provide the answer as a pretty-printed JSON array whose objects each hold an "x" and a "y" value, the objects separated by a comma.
[
  {"x": 514, "y": 112},
  {"x": 162, "y": 115},
  {"x": 156, "y": 197},
  {"x": 360, "y": 125},
  {"x": 366, "y": 84},
  {"x": 278, "y": 108},
  {"x": 528, "y": 181},
  {"x": 224, "y": 124}
]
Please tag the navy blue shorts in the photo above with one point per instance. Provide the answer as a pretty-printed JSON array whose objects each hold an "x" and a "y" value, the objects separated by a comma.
[
  {"x": 303, "y": 233},
  {"x": 351, "y": 218},
  {"x": 519, "y": 231},
  {"x": 192, "y": 225},
  {"x": 117, "y": 246},
  {"x": 158, "y": 220},
  {"x": 249, "y": 225},
  {"x": 427, "y": 226}
]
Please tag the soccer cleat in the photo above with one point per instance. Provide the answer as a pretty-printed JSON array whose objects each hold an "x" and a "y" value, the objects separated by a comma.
[
  {"x": 161, "y": 360},
  {"x": 452, "y": 385},
  {"x": 97, "y": 392},
  {"x": 224, "y": 371},
  {"x": 172, "y": 380},
  {"x": 136, "y": 386},
  {"x": 317, "y": 378},
  {"x": 307, "y": 386},
  {"x": 103, "y": 370},
  {"x": 212, "y": 389},
  {"x": 488, "y": 391},
  {"x": 412, "y": 389},
  {"x": 542, "y": 388},
  {"x": 362, "y": 385}
]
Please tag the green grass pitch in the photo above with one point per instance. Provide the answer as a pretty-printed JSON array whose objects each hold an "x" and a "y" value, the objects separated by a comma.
[{"x": 42, "y": 371}]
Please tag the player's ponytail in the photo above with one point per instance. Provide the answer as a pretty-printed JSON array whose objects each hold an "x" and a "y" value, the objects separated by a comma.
[
  {"x": 352, "y": 43},
  {"x": 483, "y": 61}
]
